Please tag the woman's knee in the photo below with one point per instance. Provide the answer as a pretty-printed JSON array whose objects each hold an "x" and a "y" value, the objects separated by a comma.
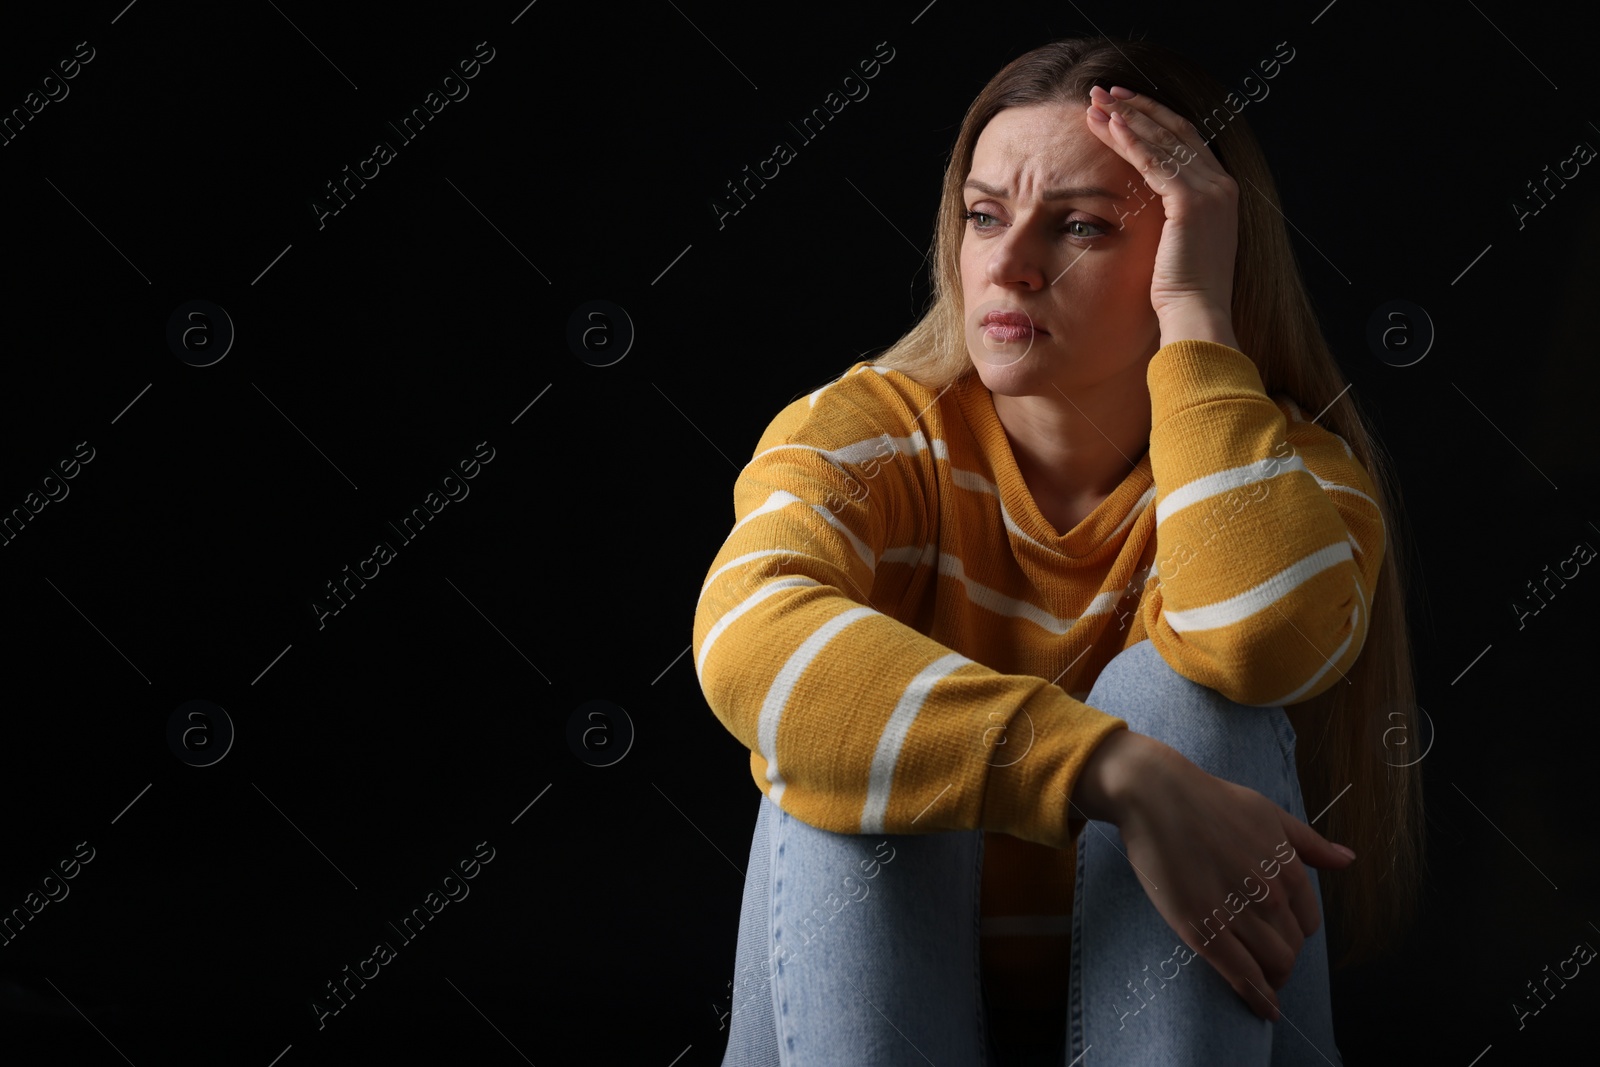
[
  {"x": 823, "y": 880},
  {"x": 896, "y": 914},
  {"x": 1233, "y": 741}
]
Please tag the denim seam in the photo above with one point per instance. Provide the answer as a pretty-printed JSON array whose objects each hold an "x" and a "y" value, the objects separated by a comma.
[
  {"x": 780, "y": 1004},
  {"x": 1291, "y": 775}
]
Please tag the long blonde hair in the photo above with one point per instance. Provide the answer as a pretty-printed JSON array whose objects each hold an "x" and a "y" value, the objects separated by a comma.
[{"x": 1345, "y": 732}]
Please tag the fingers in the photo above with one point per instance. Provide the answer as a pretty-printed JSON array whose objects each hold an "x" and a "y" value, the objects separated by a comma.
[
  {"x": 1158, "y": 138},
  {"x": 1161, "y": 125},
  {"x": 1274, "y": 938},
  {"x": 1309, "y": 847},
  {"x": 1239, "y": 969},
  {"x": 1313, "y": 847},
  {"x": 1301, "y": 899},
  {"x": 1257, "y": 951},
  {"x": 1231, "y": 886}
]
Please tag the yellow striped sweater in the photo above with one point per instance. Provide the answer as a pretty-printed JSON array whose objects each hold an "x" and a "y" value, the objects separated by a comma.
[{"x": 904, "y": 642}]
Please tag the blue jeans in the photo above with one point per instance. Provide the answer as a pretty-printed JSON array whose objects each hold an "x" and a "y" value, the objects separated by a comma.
[{"x": 864, "y": 949}]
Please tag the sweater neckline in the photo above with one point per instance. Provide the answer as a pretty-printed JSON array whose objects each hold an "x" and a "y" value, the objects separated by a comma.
[{"x": 1094, "y": 530}]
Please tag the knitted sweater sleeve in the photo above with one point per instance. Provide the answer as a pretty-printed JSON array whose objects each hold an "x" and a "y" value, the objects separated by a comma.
[
  {"x": 1268, "y": 532},
  {"x": 857, "y": 722}
]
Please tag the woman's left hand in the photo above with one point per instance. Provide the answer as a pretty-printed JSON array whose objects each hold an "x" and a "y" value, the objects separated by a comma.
[{"x": 1194, "y": 262}]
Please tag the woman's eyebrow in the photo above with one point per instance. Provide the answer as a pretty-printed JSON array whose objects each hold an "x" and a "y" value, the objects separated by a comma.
[{"x": 1070, "y": 192}]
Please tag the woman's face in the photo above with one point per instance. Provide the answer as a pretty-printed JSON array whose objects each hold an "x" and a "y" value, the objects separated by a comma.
[{"x": 1078, "y": 267}]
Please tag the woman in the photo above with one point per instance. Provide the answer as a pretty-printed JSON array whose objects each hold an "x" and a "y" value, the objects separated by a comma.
[{"x": 1115, "y": 453}]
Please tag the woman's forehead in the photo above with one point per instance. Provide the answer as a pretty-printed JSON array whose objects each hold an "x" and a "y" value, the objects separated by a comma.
[{"x": 1043, "y": 144}]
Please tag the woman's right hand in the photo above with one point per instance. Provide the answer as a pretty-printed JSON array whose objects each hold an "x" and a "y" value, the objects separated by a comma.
[{"x": 1199, "y": 843}]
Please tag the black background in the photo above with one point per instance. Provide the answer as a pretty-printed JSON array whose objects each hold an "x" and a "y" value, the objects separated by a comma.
[{"x": 376, "y": 351}]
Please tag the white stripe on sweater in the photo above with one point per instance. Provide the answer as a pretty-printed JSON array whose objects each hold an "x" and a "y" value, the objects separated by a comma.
[
  {"x": 782, "y": 498},
  {"x": 886, "y": 755},
  {"x": 1223, "y": 481},
  {"x": 1355, "y": 628},
  {"x": 783, "y": 685},
  {"x": 1260, "y": 597},
  {"x": 745, "y": 605}
]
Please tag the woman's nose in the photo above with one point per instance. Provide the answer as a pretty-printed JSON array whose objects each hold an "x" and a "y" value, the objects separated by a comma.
[{"x": 1017, "y": 258}]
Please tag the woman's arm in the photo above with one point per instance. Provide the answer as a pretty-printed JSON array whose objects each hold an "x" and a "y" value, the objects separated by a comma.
[
  {"x": 1192, "y": 838},
  {"x": 1268, "y": 543},
  {"x": 1267, "y": 558},
  {"x": 1268, "y": 535},
  {"x": 857, "y": 722}
]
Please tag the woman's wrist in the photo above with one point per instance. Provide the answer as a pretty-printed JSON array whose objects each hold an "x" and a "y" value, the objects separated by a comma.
[
  {"x": 1118, "y": 768},
  {"x": 1197, "y": 324}
]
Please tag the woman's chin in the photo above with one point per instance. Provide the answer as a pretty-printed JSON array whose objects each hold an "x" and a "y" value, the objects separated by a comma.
[{"x": 1012, "y": 362}]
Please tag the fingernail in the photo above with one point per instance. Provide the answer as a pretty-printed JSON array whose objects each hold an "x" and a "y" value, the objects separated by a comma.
[
  {"x": 1122, "y": 94},
  {"x": 1096, "y": 115},
  {"x": 1345, "y": 852}
]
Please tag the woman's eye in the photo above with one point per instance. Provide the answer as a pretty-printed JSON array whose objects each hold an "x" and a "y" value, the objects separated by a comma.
[{"x": 977, "y": 219}]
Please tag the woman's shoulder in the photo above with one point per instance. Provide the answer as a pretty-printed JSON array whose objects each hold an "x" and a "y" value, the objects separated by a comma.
[
  {"x": 1319, "y": 450},
  {"x": 1297, "y": 424},
  {"x": 865, "y": 403}
]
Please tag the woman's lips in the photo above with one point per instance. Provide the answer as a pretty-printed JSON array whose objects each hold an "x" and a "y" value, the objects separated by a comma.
[
  {"x": 1003, "y": 325},
  {"x": 1007, "y": 331}
]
